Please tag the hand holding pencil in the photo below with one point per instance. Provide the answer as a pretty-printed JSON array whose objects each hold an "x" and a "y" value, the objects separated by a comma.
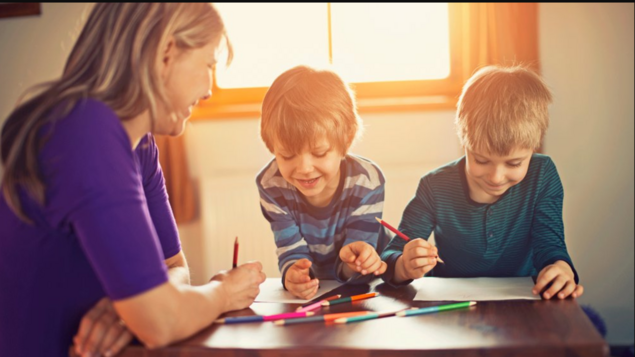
[{"x": 418, "y": 258}]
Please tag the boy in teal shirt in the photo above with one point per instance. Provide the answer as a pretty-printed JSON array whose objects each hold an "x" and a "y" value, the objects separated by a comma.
[{"x": 497, "y": 211}]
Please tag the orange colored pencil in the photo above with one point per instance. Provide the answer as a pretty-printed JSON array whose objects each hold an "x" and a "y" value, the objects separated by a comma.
[
  {"x": 349, "y": 298},
  {"x": 403, "y": 236},
  {"x": 320, "y": 318}
]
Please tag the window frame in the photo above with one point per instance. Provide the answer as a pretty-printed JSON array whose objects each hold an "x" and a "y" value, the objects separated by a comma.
[{"x": 372, "y": 97}]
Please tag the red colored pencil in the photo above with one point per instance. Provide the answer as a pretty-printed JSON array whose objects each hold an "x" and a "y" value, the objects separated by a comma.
[
  {"x": 397, "y": 232},
  {"x": 235, "y": 263}
]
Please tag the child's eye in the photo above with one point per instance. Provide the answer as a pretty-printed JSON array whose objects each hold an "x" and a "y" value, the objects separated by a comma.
[
  {"x": 514, "y": 165},
  {"x": 286, "y": 157},
  {"x": 480, "y": 162},
  {"x": 320, "y": 154}
]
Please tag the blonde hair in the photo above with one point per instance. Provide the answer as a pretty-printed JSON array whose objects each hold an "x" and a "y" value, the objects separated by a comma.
[
  {"x": 304, "y": 104},
  {"x": 501, "y": 108},
  {"x": 114, "y": 60}
]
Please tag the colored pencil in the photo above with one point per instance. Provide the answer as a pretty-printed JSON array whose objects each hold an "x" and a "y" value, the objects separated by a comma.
[
  {"x": 262, "y": 318},
  {"x": 374, "y": 315},
  {"x": 397, "y": 232},
  {"x": 317, "y": 305},
  {"x": 349, "y": 298},
  {"x": 432, "y": 309},
  {"x": 320, "y": 318},
  {"x": 235, "y": 262}
]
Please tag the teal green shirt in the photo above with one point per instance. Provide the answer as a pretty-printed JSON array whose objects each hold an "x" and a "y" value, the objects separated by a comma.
[{"x": 518, "y": 235}]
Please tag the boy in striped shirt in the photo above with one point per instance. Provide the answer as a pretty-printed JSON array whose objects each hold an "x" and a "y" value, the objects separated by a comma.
[
  {"x": 320, "y": 201},
  {"x": 497, "y": 211}
]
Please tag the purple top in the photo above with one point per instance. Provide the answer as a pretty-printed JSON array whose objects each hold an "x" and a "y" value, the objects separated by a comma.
[{"x": 105, "y": 230}]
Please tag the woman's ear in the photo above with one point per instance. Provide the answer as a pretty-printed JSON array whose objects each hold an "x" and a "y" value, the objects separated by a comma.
[{"x": 168, "y": 54}]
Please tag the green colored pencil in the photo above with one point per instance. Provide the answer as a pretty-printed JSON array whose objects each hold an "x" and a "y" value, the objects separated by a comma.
[{"x": 431, "y": 309}]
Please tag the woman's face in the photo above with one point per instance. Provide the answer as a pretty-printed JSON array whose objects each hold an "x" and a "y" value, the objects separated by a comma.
[{"x": 187, "y": 76}]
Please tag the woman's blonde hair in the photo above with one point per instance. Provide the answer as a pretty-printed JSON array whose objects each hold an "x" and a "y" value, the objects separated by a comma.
[
  {"x": 305, "y": 104},
  {"x": 115, "y": 60},
  {"x": 502, "y": 108}
]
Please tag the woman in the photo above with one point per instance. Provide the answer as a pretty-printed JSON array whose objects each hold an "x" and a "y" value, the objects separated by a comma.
[{"x": 89, "y": 249}]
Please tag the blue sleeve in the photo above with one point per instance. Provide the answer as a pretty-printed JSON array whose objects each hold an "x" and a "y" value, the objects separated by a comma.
[
  {"x": 290, "y": 244},
  {"x": 418, "y": 221},
  {"x": 361, "y": 225},
  {"x": 547, "y": 229}
]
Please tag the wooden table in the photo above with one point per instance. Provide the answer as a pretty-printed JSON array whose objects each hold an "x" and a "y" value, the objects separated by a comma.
[{"x": 493, "y": 328}]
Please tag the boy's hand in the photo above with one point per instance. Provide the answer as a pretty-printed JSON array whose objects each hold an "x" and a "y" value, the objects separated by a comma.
[
  {"x": 241, "y": 285},
  {"x": 418, "y": 258},
  {"x": 561, "y": 277},
  {"x": 298, "y": 281},
  {"x": 361, "y": 257}
]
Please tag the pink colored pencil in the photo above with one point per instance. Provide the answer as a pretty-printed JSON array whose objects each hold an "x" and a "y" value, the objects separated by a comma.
[{"x": 318, "y": 304}]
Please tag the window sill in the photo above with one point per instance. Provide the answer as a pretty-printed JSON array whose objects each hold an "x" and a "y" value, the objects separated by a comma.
[{"x": 215, "y": 111}]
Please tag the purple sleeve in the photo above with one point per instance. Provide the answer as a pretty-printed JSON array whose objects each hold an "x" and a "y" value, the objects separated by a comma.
[
  {"x": 94, "y": 189},
  {"x": 157, "y": 197}
]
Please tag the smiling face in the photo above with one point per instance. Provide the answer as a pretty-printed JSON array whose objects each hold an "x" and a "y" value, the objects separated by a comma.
[
  {"x": 187, "y": 76},
  {"x": 489, "y": 176},
  {"x": 315, "y": 171}
]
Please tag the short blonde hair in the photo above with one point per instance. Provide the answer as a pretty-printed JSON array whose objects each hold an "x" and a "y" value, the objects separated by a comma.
[
  {"x": 501, "y": 108},
  {"x": 305, "y": 104}
]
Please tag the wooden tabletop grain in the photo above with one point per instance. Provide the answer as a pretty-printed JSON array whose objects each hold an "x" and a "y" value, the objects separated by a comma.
[{"x": 490, "y": 328}]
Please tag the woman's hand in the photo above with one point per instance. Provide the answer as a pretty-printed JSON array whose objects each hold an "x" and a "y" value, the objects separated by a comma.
[
  {"x": 101, "y": 332},
  {"x": 241, "y": 285},
  {"x": 561, "y": 277}
]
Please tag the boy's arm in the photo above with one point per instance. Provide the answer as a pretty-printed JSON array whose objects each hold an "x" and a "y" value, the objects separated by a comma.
[
  {"x": 418, "y": 221},
  {"x": 290, "y": 244},
  {"x": 547, "y": 229},
  {"x": 361, "y": 226}
]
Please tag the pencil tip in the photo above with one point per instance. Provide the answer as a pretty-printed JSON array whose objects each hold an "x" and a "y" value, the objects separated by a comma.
[
  {"x": 278, "y": 323},
  {"x": 472, "y": 303},
  {"x": 341, "y": 320},
  {"x": 378, "y": 220},
  {"x": 401, "y": 314},
  {"x": 219, "y": 321},
  {"x": 236, "y": 240},
  {"x": 310, "y": 313},
  {"x": 326, "y": 303}
]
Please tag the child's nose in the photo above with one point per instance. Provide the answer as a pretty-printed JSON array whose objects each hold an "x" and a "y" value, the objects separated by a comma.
[
  {"x": 305, "y": 165},
  {"x": 497, "y": 176}
]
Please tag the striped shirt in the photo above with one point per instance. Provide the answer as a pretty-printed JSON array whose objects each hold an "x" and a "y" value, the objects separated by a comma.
[
  {"x": 517, "y": 235},
  {"x": 302, "y": 230}
]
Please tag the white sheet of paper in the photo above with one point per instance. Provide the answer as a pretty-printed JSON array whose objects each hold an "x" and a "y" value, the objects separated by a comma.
[
  {"x": 474, "y": 289},
  {"x": 272, "y": 291}
]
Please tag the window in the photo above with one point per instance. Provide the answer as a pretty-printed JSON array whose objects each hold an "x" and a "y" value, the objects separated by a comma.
[{"x": 401, "y": 56}]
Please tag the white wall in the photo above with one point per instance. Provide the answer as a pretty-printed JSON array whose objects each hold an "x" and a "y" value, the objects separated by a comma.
[{"x": 587, "y": 57}]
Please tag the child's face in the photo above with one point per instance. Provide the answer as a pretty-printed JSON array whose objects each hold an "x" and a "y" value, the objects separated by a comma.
[
  {"x": 489, "y": 176},
  {"x": 315, "y": 172}
]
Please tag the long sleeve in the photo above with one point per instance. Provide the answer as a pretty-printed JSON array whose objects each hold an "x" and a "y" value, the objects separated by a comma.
[
  {"x": 418, "y": 221},
  {"x": 547, "y": 230},
  {"x": 291, "y": 246}
]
